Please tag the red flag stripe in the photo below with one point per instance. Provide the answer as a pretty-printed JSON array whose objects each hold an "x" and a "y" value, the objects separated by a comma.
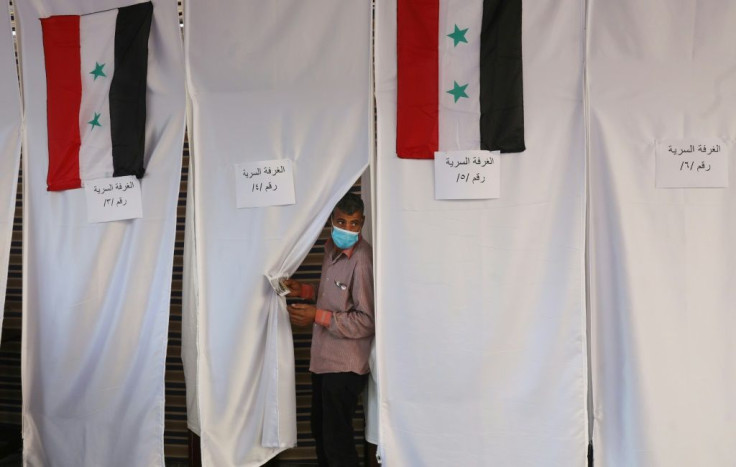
[
  {"x": 418, "y": 78},
  {"x": 63, "y": 98}
]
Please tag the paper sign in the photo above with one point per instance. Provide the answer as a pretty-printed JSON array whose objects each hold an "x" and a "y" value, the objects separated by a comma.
[
  {"x": 467, "y": 175},
  {"x": 264, "y": 183},
  {"x": 692, "y": 163},
  {"x": 113, "y": 199}
]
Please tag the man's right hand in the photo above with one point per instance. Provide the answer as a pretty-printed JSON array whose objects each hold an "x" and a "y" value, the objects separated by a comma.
[{"x": 294, "y": 286}]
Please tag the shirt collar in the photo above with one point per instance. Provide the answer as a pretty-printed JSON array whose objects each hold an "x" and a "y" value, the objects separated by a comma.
[{"x": 348, "y": 251}]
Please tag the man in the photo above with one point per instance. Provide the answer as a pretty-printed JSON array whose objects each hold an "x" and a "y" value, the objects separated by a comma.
[{"x": 342, "y": 332}]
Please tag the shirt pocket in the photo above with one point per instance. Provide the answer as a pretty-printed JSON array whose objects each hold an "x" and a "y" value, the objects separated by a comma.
[{"x": 337, "y": 287}]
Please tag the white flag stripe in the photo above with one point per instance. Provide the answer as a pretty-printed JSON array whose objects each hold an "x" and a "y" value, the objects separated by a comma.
[
  {"x": 459, "y": 126},
  {"x": 97, "y": 46}
]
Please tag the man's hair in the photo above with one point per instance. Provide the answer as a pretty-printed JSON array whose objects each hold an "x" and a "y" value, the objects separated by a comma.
[{"x": 350, "y": 203}]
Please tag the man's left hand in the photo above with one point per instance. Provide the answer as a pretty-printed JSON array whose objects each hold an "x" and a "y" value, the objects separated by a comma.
[{"x": 301, "y": 314}]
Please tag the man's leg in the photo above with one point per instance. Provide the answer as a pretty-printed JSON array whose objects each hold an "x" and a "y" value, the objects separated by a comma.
[
  {"x": 316, "y": 419},
  {"x": 340, "y": 392}
]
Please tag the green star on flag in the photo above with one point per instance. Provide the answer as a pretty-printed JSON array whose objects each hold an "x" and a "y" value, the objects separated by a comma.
[
  {"x": 97, "y": 72},
  {"x": 458, "y": 91},
  {"x": 458, "y": 35},
  {"x": 95, "y": 121}
]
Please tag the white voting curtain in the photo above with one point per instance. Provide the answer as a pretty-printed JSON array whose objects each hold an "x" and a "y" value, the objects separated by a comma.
[
  {"x": 10, "y": 122},
  {"x": 662, "y": 261},
  {"x": 481, "y": 325},
  {"x": 96, "y": 309},
  {"x": 269, "y": 80}
]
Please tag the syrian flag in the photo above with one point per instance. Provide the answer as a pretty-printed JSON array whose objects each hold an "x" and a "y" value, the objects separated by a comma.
[
  {"x": 96, "y": 67},
  {"x": 459, "y": 76}
]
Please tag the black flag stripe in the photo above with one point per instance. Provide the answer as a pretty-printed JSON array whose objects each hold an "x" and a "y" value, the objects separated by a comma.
[
  {"x": 501, "y": 83},
  {"x": 128, "y": 89}
]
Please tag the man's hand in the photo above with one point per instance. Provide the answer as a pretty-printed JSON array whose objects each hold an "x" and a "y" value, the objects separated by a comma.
[
  {"x": 301, "y": 314},
  {"x": 294, "y": 286}
]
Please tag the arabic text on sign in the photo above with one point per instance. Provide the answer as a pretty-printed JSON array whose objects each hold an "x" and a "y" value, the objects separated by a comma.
[
  {"x": 264, "y": 183},
  {"x": 692, "y": 163}
]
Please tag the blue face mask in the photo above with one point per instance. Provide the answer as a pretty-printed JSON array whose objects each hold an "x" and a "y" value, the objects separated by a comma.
[{"x": 344, "y": 238}]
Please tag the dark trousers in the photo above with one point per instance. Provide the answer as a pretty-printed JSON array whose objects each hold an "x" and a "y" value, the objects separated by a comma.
[{"x": 334, "y": 399}]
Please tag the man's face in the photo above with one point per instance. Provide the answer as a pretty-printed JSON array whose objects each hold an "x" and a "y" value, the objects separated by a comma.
[{"x": 352, "y": 222}]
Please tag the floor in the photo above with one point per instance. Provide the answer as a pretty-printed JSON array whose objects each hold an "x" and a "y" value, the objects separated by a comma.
[
  {"x": 11, "y": 446},
  {"x": 11, "y": 449},
  {"x": 11, "y": 452}
]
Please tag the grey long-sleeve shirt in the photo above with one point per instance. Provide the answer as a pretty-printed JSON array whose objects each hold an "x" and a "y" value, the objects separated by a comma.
[{"x": 344, "y": 327}]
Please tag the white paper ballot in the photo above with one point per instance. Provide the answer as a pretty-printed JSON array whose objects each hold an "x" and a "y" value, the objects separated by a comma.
[
  {"x": 467, "y": 175},
  {"x": 692, "y": 163},
  {"x": 113, "y": 199},
  {"x": 277, "y": 284},
  {"x": 264, "y": 183}
]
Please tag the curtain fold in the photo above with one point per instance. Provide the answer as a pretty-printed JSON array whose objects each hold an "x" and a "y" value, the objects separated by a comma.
[
  {"x": 10, "y": 138},
  {"x": 299, "y": 91}
]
